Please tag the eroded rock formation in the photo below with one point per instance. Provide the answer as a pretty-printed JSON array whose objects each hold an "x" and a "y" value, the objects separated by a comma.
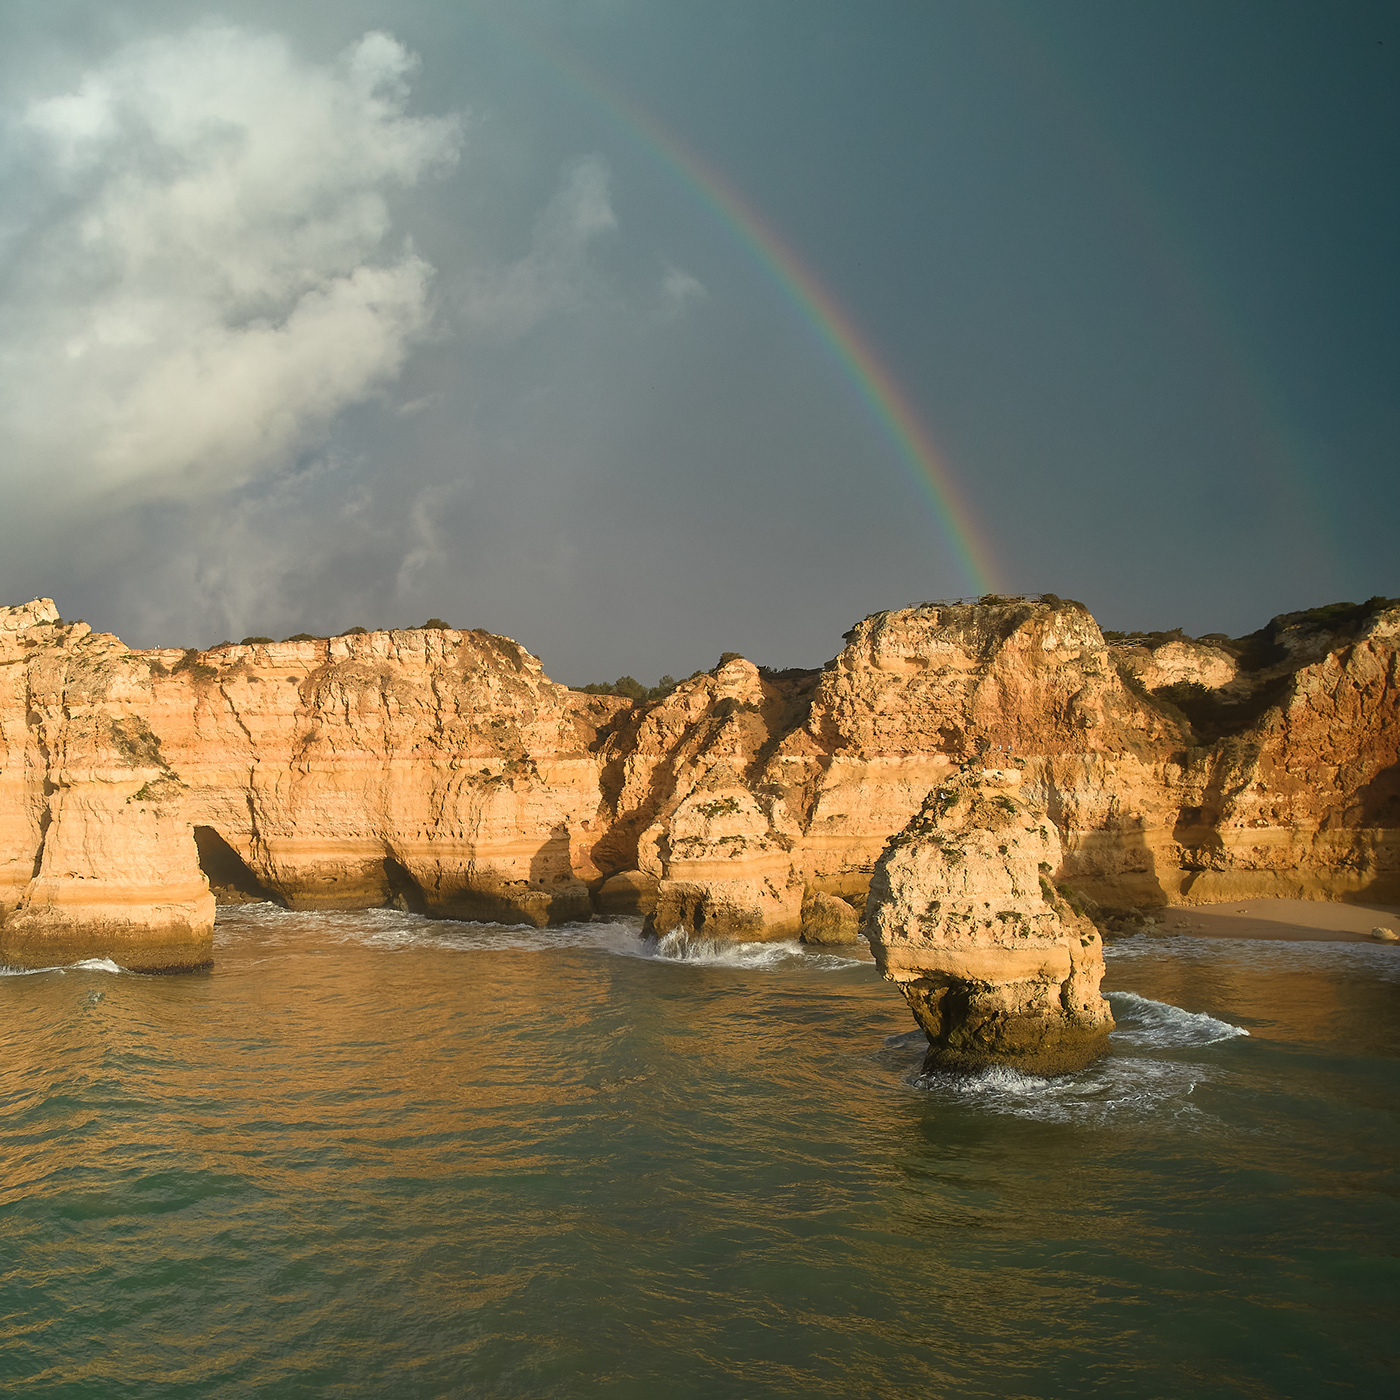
[
  {"x": 996, "y": 966},
  {"x": 444, "y": 772}
]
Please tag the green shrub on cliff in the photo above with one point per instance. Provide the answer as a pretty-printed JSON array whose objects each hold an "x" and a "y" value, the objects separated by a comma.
[
  {"x": 191, "y": 663},
  {"x": 630, "y": 688}
]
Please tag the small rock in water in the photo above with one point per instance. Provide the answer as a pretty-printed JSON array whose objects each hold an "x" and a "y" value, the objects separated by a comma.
[{"x": 1385, "y": 935}]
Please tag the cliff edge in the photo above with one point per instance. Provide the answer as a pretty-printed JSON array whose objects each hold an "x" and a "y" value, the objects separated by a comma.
[{"x": 443, "y": 771}]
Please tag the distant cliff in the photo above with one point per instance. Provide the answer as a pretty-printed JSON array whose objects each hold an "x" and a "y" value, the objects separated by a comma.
[{"x": 444, "y": 772}]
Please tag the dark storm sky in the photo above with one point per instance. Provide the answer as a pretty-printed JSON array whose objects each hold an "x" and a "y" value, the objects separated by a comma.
[{"x": 361, "y": 313}]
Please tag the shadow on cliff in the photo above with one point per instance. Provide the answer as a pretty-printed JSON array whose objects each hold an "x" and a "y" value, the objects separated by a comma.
[
  {"x": 1197, "y": 829},
  {"x": 550, "y": 865},
  {"x": 402, "y": 891},
  {"x": 1379, "y": 803},
  {"x": 1380, "y": 799},
  {"x": 555, "y": 893},
  {"x": 229, "y": 876}
]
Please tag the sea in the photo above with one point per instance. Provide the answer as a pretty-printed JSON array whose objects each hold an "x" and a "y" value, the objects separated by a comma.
[{"x": 367, "y": 1155}]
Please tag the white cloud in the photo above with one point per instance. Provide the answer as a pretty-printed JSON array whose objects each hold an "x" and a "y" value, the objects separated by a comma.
[
  {"x": 211, "y": 277},
  {"x": 679, "y": 289},
  {"x": 551, "y": 275}
]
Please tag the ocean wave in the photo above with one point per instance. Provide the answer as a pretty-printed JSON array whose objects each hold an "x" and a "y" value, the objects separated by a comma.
[
  {"x": 1125, "y": 1084},
  {"x": 1142, "y": 1021},
  {"x": 86, "y": 965},
  {"x": 1115, "y": 1088},
  {"x": 681, "y": 947},
  {"x": 394, "y": 930}
]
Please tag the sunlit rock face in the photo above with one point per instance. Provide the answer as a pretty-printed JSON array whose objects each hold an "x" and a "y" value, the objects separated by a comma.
[
  {"x": 97, "y": 856},
  {"x": 444, "y": 772},
  {"x": 962, "y": 916},
  {"x": 438, "y": 770},
  {"x": 826, "y": 918}
]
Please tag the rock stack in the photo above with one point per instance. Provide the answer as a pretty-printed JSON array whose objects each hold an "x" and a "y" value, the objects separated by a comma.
[{"x": 963, "y": 916}]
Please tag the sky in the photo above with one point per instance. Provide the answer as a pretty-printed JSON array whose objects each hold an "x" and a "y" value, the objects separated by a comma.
[{"x": 643, "y": 330}]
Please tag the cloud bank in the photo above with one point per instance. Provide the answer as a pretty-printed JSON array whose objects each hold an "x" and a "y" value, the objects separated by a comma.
[{"x": 206, "y": 271}]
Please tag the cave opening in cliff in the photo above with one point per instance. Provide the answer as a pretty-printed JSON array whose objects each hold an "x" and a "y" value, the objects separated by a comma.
[
  {"x": 404, "y": 892},
  {"x": 228, "y": 873}
]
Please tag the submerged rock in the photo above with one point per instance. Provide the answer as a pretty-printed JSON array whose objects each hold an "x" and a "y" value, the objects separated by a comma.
[{"x": 996, "y": 965}]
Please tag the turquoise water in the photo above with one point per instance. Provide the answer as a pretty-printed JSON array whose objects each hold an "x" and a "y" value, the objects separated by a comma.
[{"x": 371, "y": 1156}]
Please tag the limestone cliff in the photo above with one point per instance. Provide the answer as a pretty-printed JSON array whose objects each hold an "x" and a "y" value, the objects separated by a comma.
[
  {"x": 995, "y": 965},
  {"x": 443, "y": 771},
  {"x": 438, "y": 769}
]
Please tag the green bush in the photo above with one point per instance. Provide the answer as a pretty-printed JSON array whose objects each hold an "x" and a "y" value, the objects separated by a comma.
[
  {"x": 630, "y": 688},
  {"x": 191, "y": 663},
  {"x": 1181, "y": 692},
  {"x": 255, "y": 642}
]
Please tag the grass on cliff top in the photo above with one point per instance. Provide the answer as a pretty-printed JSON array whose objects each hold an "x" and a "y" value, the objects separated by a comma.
[
  {"x": 1262, "y": 648},
  {"x": 632, "y": 689}
]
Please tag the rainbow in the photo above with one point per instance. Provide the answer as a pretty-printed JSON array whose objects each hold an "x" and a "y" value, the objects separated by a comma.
[{"x": 875, "y": 386}]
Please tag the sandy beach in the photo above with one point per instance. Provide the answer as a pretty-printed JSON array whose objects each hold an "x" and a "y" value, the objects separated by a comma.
[{"x": 1292, "y": 920}]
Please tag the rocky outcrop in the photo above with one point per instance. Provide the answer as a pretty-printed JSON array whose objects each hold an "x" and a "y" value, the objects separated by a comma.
[
  {"x": 996, "y": 966},
  {"x": 826, "y": 918},
  {"x": 442, "y": 771},
  {"x": 1178, "y": 661},
  {"x": 435, "y": 769}
]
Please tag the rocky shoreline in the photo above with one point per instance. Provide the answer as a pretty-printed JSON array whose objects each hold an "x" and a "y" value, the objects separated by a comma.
[{"x": 443, "y": 771}]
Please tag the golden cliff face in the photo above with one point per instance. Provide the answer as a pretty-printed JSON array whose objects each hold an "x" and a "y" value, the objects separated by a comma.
[{"x": 443, "y": 771}]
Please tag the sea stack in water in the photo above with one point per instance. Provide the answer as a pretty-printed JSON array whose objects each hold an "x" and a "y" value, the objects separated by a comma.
[{"x": 963, "y": 917}]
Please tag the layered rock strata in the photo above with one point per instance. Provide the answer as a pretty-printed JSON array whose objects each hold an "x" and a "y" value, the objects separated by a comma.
[
  {"x": 443, "y": 771},
  {"x": 996, "y": 966}
]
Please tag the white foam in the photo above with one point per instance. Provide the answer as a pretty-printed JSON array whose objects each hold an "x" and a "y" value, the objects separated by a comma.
[
  {"x": 1142, "y": 1021},
  {"x": 681, "y": 947},
  {"x": 1115, "y": 1088},
  {"x": 450, "y": 936},
  {"x": 1126, "y": 1084},
  {"x": 95, "y": 965},
  {"x": 86, "y": 965},
  {"x": 392, "y": 930}
]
